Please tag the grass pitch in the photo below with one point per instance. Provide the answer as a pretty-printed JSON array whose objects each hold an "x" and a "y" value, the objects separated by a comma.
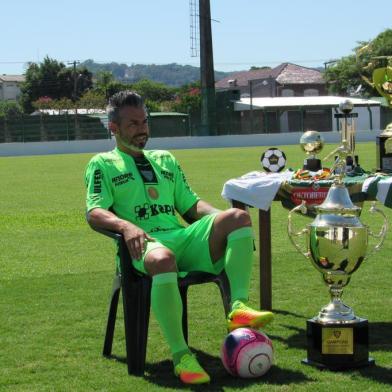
[{"x": 56, "y": 275}]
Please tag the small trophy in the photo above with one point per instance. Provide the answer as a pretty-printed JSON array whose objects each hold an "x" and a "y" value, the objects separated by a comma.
[
  {"x": 337, "y": 244},
  {"x": 384, "y": 150},
  {"x": 312, "y": 143},
  {"x": 347, "y": 126}
]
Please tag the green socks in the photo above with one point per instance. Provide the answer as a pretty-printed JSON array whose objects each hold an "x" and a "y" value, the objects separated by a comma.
[
  {"x": 238, "y": 262},
  {"x": 166, "y": 299},
  {"x": 167, "y": 306}
]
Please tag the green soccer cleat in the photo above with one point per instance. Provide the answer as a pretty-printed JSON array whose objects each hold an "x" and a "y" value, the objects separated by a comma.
[
  {"x": 243, "y": 316},
  {"x": 190, "y": 372}
]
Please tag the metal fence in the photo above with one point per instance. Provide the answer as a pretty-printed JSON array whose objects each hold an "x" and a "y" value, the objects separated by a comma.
[{"x": 52, "y": 128}]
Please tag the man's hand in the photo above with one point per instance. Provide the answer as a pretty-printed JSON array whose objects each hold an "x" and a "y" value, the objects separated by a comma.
[
  {"x": 136, "y": 240},
  {"x": 134, "y": 236}
]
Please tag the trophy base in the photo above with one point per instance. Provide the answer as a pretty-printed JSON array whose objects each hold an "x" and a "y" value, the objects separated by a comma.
[
  {"x": 339, "y": 345},
  {"x": 312, "y": 164},
  {"x": 321, "y": 366}
]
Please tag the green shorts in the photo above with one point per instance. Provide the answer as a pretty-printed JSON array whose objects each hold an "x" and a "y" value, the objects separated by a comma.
[{"x": 190, "y": 246}]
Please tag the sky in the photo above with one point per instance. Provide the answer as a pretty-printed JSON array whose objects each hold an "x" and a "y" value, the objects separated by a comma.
[{"x": 245, "y": 32}]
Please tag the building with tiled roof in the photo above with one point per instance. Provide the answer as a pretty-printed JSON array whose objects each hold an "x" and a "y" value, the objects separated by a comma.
[
  {"x": 10, "y": 87},
  {"x": 285, "y": 80}
]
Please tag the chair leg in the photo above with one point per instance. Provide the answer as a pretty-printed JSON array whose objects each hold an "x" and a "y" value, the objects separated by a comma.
[
  {"x": 224, "y": 287},
  {"x": 136, "y": 302},
  {"x": 183, "y": 293},
  {"x": 107, "y": 346}
]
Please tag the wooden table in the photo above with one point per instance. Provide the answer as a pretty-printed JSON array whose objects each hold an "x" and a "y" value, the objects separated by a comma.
[
  {"x": 265, "y": 275},
  {"x": 264, "y": 217}
]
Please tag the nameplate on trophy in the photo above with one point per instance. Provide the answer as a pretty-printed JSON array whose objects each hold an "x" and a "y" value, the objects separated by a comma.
[{"x": 337, "y": 341}]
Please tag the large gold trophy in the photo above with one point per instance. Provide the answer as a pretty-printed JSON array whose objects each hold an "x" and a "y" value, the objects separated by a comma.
[{"x": 336, "y": 245}]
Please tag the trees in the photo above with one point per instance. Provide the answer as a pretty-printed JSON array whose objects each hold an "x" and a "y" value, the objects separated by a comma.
[
  {"x": 92, "y": 100},
  {"x": 154, "y": 91},
  {"x": 43, "y": 103},
  {"x": 354, "y": 70},
  {"x": 103, "y": 80},
  {"x": 343, "y": 77},
  {"x": 188, "y": 99},
  {"x": 53, "y": 79},
  {"x": 9, "y": 109}
]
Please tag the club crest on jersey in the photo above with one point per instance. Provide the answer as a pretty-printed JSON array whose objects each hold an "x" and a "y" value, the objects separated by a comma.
[{"x": 153, "y": 192}]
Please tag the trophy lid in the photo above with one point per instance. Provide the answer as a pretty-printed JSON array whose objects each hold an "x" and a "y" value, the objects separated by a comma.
[{"x": 338, "y": 201}]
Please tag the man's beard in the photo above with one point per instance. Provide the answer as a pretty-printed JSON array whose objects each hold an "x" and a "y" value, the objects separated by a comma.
[{"x": 136, "y": 144}]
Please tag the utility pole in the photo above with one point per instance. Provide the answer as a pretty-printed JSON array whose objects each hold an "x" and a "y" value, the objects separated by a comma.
[
  {"x": 208, "y": 105},
  {"x": 74, "y": 98},
  {"x": 75, "y": 79}
]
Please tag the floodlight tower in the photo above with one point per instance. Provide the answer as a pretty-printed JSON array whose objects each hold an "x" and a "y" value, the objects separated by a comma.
[{"x": 208, "y": 106}]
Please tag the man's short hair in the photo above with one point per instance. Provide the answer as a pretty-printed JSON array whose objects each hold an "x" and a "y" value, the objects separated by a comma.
[{"x": 120, "y": 100}]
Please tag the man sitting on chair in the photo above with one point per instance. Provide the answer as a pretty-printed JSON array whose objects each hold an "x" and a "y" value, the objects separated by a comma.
[{"x": 137, "y": 193}]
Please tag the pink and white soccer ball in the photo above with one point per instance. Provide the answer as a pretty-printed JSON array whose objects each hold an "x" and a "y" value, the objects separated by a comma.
[{"x": 247, "y": 353}]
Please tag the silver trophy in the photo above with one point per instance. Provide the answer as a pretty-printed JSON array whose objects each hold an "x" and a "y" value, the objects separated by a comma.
[{"x": 337, "y": 244}]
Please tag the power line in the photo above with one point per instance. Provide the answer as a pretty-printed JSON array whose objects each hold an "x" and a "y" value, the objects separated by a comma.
[{"x": 143, "y": 62}]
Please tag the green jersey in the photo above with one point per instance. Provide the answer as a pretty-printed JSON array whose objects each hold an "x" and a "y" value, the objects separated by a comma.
[{"x": 146, "y": 193}]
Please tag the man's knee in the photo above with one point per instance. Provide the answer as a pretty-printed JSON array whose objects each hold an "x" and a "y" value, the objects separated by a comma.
[
  {"x": 160, "y": 261},
  {"x": 239, "y": 218}
]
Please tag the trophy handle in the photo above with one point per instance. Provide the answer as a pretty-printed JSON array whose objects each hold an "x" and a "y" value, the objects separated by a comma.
[
  {"x": 302, "y": 208},
  {"x": 383, "y": 231}
]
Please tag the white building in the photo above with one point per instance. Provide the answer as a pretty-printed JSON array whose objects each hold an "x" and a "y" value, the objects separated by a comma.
[
  {"x": 288, "y": 114},
  {"x": 10, "y": 87}
]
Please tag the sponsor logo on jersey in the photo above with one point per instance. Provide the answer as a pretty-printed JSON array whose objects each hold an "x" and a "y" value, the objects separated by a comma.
[
  {"x": 122, "y": 179},
  {"x": 157, "y": 229},
  {"x": 97, "y": 181},
  {"x": 147, "y": 211},
  {"x": 184, "y": 178},
  {"x": 168, "y": 175},
  {"x": 114, "y": 159}
]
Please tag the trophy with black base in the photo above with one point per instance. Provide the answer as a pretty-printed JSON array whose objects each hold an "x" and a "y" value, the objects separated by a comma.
[
  {"x": 384, "y": 150},
  {"x": 337, "y": 244},
  {"x": 312, "y": 143},
  {"x": 347, "y": 126}
]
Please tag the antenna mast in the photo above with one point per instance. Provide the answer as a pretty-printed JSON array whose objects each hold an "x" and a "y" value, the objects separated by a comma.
[{"x": 194, "y": 27}]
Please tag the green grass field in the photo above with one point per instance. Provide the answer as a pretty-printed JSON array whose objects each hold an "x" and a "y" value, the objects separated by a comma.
[{"x": 56, "y": 276}]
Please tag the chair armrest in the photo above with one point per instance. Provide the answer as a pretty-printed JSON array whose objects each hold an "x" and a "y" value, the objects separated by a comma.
[
  {"x": 126, "y": 268},
  {"x": 109, "y": 233}
]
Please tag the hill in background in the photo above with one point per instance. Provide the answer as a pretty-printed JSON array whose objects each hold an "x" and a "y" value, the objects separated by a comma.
[{"x": 174, "y": 75}]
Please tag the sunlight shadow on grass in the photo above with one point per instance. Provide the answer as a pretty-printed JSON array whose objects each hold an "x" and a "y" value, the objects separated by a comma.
[
  {"x": 296, "y": 340},
  {"x": 380, "y": 336},
  {"x": 161, "y": 374},
  {"x": 377, "y": 373},
  {"x": 287, "y": 313}
]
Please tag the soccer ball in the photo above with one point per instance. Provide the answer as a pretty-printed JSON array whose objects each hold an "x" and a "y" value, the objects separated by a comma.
[
  {"x": 273, "y": 160},
  {"x": 247, "y": 353}
]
